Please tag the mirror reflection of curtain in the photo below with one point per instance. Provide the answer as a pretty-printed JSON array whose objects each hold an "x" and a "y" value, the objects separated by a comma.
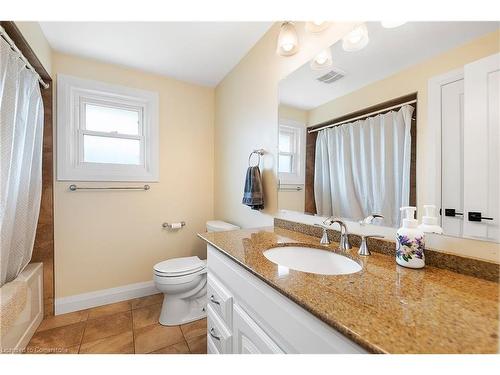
[
  {"x": 21, "y": 127},
  {"x": 363, "y": 167}
]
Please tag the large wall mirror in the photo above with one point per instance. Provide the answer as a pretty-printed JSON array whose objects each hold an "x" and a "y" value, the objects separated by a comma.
[{"x": 397, "y": 116}]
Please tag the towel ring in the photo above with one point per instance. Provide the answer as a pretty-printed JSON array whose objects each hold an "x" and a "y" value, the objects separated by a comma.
[{"x": 259, "y": 153}]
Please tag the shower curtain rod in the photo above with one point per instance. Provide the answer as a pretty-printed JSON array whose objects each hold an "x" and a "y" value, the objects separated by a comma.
[
  {"x": 362, "y": 116},
  {"x": 7, "y": 38}
]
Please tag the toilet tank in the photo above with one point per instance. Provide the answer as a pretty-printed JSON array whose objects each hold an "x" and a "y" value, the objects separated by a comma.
[{"x": 220, "y": 226}]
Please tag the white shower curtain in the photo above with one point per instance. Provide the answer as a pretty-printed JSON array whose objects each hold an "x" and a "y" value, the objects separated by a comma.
[
  {"x": 21, "y": 127},
  {"x": 363, "y": 167}
]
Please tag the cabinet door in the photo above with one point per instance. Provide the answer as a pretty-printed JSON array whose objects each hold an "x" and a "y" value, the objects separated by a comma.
[
  {"x": 452, "y": 132},
  {"x": 482, "y": 140},
  {"x": 248, "y": 337}
]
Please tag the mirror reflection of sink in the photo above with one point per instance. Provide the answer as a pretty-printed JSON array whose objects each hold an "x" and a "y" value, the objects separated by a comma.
[{"x": 311, "y": 260}]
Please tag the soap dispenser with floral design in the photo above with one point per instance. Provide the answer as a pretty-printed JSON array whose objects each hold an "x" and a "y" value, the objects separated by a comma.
[{"x": 410, "y": 241}]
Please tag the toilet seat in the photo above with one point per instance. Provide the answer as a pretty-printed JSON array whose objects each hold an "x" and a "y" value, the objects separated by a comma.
[
  {"x": 179, "y": 267},
  {"x": 178, "y": 280}
]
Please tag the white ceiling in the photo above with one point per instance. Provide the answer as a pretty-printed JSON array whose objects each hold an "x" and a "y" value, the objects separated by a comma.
[
  {"x": 389, "y": 51},
  {"x": 197, "y": 52}
]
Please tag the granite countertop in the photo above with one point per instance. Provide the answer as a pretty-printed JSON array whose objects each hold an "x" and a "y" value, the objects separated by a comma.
[{"x": 385, "y": 308}]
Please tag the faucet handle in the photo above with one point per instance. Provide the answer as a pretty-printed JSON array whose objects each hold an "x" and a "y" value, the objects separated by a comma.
[
  {"x": 324, "y": 238},
  {"x": 369, "y": 219},
  {"x": 363, "y": 248},
  {"x": 328, "y": 221}
]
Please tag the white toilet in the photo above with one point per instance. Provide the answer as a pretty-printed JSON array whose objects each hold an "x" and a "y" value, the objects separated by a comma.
[{"x": 184, "y": 284}]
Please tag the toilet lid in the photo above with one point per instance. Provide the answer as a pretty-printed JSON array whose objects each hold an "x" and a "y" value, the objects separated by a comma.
[{"x": 179, "y": 266}]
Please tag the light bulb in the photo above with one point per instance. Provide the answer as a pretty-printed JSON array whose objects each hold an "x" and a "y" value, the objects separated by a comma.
[
  {"x": 355, "y": 36},
  {"x": 356, "y": 39},
  {"x": 392, "y": 24},
  {"x": 287, "y": 47},
  {"x": 322, "y": 60},
  {"x": 288, "y": 41}
]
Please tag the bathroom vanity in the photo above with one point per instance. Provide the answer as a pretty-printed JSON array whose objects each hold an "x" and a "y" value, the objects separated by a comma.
[
  {"x": 257, "y": 306},
  {"x": 245, "y": 315}
]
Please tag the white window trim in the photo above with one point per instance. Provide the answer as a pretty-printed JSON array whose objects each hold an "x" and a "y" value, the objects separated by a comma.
[
  {"x": 72, "y": 94},
  {"x": 297, "y": 178}
]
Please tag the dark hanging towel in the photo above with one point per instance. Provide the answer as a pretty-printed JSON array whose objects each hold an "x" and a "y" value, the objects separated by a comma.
[{"x": 253, "y": 195}]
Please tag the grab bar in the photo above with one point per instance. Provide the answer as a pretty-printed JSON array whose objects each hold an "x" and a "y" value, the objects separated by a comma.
[
  {"x": 297, "y": 188},
  {"x": 73, "y": 187}
]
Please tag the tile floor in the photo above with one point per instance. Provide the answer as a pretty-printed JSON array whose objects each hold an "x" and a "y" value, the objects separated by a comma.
[{"x": 124, "y": 327}]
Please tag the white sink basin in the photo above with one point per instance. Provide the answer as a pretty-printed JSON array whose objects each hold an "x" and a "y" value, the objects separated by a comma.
[{"x": 310, "y": 260}]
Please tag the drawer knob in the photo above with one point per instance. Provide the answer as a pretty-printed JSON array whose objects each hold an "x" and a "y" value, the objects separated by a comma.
[
  {"x": 213, "y": 300},
  {"x": 213, "y": 334}
]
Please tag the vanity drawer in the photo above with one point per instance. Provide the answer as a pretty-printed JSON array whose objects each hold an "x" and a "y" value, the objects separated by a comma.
[
  {"x": 220, "y": 300},
  {"x": 219, "y": 337}
]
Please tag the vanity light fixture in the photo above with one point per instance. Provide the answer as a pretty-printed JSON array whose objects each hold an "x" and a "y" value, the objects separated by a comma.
[
  {"x": 392, "y": 24},
  {"x": 357, "y": 39},
  {"x": 288, "y": 40},
  {"x": 317, "y": 26},
  {"x": 322, "y": 60}
]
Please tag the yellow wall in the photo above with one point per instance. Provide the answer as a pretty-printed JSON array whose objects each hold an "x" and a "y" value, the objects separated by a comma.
[
  {"x": 107, "y": 239},
  {"x": 292, "y": 113},
  {"x": 33, "y": 33},
  {"x": 246, "y": 114}
]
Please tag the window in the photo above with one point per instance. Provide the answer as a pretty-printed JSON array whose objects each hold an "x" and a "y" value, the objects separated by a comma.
[
  {"x": 106, "y": 132},
  {"x": 291, "y": 152},
  {"x": 287, "y": 151}
]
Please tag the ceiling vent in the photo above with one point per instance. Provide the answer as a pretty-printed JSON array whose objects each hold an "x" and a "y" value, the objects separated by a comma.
[{"x": 331, "y": 76}]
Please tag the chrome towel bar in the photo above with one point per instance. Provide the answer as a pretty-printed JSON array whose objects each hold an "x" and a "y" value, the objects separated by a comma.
[
  {"x": 296, "y": 188},
  {"x": 73, "y": 187}
]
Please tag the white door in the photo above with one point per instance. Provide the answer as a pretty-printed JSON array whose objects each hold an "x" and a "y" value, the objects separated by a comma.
[
  {"x": 452, "y": 130},
  {"x": 248, "y": 337},
  {"x": 481, "y": 142}
]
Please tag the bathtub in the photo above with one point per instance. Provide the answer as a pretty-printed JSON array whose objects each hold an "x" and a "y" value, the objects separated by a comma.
[{"x": 21, "y": 309}]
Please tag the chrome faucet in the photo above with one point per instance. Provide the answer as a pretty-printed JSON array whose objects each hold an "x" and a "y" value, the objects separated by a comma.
[
  {"x": 324, "y": 238},
  {"x": 369, "y": 219},
  {"x": 363, "y": 248},
  {"x": 345, "y": 244}
]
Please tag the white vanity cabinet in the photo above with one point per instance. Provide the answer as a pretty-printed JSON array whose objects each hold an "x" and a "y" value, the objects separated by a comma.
[
  {"x": 249, "y": 338},
  {"x": 247, "y": 316}
]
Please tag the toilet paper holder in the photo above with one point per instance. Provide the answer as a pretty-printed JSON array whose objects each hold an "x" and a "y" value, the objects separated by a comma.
[{"x": 173, "y": 225}]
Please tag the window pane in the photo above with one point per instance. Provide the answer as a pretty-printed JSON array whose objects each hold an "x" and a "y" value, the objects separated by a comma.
[
  {"x": 285, "y": 142},
  {"x": 108, "y": 119},
  {"x": 285, "y": 164},
  {"x": 111, "y": 150}
]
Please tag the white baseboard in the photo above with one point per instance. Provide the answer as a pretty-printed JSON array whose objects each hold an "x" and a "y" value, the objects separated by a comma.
[{"x": 103, "y": 297}]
